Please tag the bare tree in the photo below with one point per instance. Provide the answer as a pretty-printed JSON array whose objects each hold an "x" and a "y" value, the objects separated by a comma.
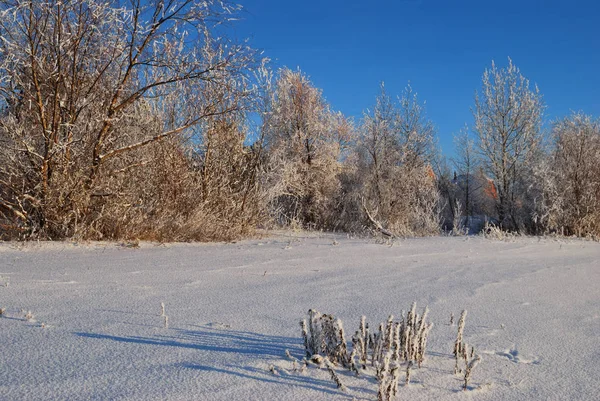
[
  {"x": 87, "y": 84},
  {"x": 466, "y": 164},
  {"x": 508, "y": 116}
]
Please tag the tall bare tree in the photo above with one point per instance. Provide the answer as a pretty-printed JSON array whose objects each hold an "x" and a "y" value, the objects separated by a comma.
[{"x": 508, "y": 118}]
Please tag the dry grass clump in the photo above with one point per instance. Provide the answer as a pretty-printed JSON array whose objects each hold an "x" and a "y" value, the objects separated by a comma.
[
  {"x": 462, "y": 352},
  {"x": 393, "y": 344},
  {"x": 395, "y": 349}
]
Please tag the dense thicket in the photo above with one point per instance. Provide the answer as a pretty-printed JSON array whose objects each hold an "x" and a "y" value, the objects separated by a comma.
[{"x": 140, "y": 119}]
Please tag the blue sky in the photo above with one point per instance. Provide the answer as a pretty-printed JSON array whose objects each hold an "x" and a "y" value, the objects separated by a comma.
[{"x": 441, "y": 47}]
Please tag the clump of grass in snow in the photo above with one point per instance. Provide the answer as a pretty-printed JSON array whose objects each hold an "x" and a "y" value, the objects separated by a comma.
[
  {"x": 470, "y": 364},
  {"x": 461, "y": 350},
  {"x": 394, "y": 343}
]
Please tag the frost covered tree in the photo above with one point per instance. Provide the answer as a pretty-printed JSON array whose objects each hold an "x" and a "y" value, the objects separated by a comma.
[
  {"x": 98, "y": 99},
  {"x": 415, "y": 131},
  {"x": 508, "y": 118},
  {"x": 396, "y": 149},
  {"x": 576, "y": 170},
  {"x": 305, "y": 142},
  {"x": 467, "y": 164}
]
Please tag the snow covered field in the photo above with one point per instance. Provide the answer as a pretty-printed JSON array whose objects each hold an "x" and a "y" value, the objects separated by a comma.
[{"x": 533, "y": 315}]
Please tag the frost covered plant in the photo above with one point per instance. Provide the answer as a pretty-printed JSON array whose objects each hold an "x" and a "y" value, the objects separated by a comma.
[
  {"x": 360, "y": 342},
  {"x": 272, "y": 370},
  {"x": 2, "y": 311},
  {"x": 470, "y": 364},
  {"x": 29, "y": 316},
  {"x": 382, "y": 368},
  {"x": 493, "y": 232},
  {"x": 307, "y": 344},
  {"x": 387, "y": 349},
  {"x": 166, "y": 321},
  {"x": 392, "y": 389},
  {"x": 324, "y": 335},
  {"x": 408, "y": 366},
  {"x": 352, "y": 361},
  {"x": 334, "y": 375},
  {"x": 508, "y": 134},
  {"x": 162, "y": 309},
  {"x": 388, "y": 384},
  {"x": 295, "y": 363},
  {"x": 459, "y": 344}
]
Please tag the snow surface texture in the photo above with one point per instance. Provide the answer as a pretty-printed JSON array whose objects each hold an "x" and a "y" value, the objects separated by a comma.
[{"x": 233, "y": 309}]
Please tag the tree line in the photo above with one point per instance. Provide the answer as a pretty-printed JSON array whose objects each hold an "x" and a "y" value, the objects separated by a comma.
[{"x": 142, "y": 119}]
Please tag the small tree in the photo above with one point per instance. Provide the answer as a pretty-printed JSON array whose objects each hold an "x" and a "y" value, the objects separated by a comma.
[
  {"x": 396, "y": 149},
  {"x": 508, "y": 116},
  {"x": 305, "y": 141},
  {"x": 466, "y": 164}
]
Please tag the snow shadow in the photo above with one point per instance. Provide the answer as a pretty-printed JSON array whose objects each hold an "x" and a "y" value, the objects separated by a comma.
[
  {"x": 281, "y": 377},
  {"x": 210, "y": 339},
  {"x": 261, "y": 348}
]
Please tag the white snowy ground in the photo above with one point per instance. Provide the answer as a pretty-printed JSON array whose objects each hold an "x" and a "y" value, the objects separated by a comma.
[{"x": 533, "y": 315}]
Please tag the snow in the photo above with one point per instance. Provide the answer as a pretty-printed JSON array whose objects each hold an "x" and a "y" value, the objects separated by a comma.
[{"x": 234, "y": 309}]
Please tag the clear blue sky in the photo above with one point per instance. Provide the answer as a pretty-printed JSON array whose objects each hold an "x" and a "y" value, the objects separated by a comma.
[{"x": 441, "y": 47}]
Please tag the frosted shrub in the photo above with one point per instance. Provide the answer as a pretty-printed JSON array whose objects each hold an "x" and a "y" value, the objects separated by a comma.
[{"x": 491, "y": 231}]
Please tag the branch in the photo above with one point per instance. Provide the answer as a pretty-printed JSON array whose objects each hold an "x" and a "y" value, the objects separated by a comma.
[
  {"x": 377, "y": 224},
  {"x": 160, "y": 136}
]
